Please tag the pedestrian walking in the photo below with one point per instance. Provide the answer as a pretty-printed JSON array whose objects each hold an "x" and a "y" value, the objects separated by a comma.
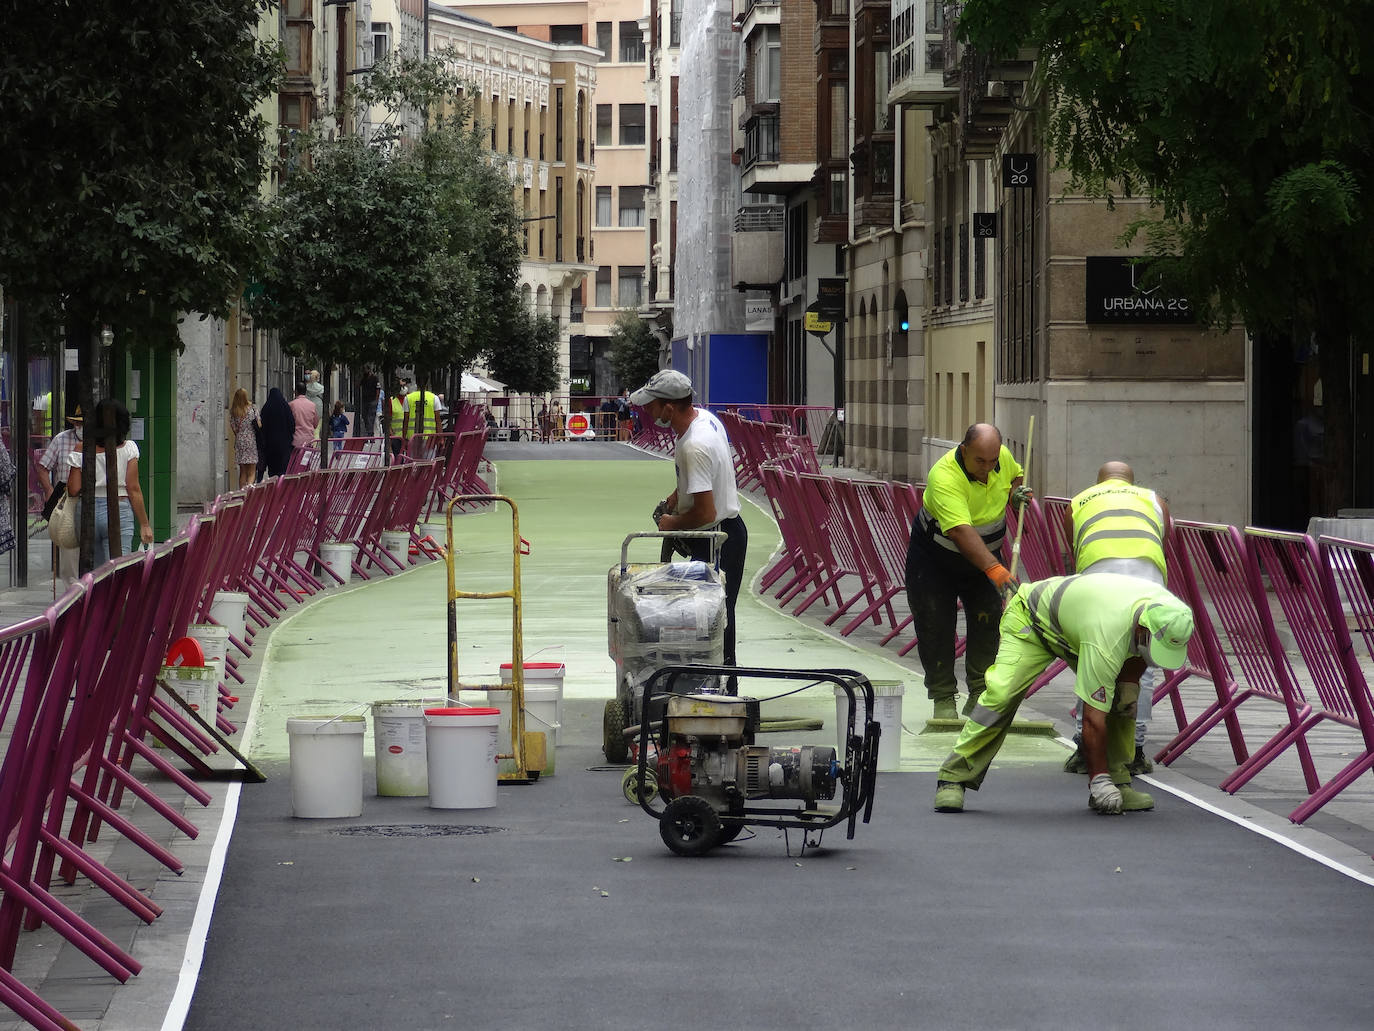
[
  {"x": 114, "y": 417},
  {"x": 955, "y": 555},
  {"x": 278, "y": 429},
  {"x": 305, "y": 415},
  {"x": 52, "y": 478},
  {"x": 243, "y": 420}
]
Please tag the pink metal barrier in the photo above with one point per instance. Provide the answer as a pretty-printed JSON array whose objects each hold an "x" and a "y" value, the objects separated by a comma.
[{"x": 80, "y": 697}]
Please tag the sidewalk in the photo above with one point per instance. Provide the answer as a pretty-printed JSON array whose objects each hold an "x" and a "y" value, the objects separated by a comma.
[{"x": 430, "y": 918}]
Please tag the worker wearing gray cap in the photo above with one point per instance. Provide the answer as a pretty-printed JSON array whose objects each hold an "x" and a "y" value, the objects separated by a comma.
[{"x": 707, "y": 497}]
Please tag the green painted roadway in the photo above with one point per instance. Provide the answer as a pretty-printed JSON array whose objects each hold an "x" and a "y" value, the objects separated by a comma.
[{"x": 385, "y": 639}]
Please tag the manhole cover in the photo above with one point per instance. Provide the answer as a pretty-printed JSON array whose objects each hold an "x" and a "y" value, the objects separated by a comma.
[{"x": 415, "y": 830}]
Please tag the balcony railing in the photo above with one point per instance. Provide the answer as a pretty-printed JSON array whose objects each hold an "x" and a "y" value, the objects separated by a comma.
[
  {"x": 761, "y": 140},
  {"x": 759, "y": 218}
]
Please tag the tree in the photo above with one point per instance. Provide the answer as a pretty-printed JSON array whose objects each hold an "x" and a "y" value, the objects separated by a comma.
[
  {"x": 1246, "y": 124},
  {"x": 356, "y": 273},
  {"x": 528, "y": 363},
  {"x": 133, "y": 153},
  {"x": 634, "y": 349},
  {"x": 398, "y": 249}
]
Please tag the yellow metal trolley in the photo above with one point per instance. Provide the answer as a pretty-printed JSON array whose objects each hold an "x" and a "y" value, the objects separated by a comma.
[{"x": 528, "y": 749}]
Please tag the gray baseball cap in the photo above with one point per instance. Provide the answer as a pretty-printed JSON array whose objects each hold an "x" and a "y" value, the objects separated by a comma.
[{"x": 664, "y": 385}]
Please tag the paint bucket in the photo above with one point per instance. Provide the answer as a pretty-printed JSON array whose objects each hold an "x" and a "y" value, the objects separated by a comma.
[
  {"x": 326, "y": 766},
  {"x": 338, "y": 556},
  {"x": 398, "y": 735},
  {"x": 887, "y": 710},
  {"x": 543, "y": 675},
  {"x": 541, "y": 715},
  {"x": 396, "y": 543},
  {"x": 198, "y": 685},
  {"x": 230, "y": 610},
  {"x": 460, "y": 749},
  {"x": 214, "y": 643}
]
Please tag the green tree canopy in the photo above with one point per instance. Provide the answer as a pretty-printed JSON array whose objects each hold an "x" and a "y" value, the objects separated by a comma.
[
  {"x": 528, "y": 362},
  {"x": 1246, "y": 123},
  {"x": 634, "y": 350},
  {"x": 133, "y": 154},
  {"x": 402, "y": 248}
]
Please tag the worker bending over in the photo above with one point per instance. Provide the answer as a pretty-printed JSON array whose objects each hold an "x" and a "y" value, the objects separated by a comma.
[{"x": 1107, "y": 627}]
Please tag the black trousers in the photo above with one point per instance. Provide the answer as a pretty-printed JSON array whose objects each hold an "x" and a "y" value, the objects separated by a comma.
[
  {"x": 732, "y": 554},
  {"x": 936, "y": 581}
]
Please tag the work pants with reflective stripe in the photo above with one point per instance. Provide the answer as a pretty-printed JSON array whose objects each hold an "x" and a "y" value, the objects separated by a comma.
[
  {"x": 936, "y": 581},
  {"x": 1020, "y": 659}
]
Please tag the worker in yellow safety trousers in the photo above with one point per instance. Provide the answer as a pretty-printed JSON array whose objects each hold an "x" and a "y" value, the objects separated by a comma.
[
  {"x": 1117, "y": 527},
  {"x": 1107, "y": 627},
  {"x": 954, "y": 555}
]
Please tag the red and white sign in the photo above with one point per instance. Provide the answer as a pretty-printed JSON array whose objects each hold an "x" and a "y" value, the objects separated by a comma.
[{"x": 580, "y": 426}]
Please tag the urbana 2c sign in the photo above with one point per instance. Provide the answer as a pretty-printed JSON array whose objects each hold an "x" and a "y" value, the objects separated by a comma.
[{"x": 1123, "y": 290}]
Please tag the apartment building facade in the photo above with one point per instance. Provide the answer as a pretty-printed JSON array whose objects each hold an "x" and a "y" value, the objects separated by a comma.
[
  {"x": 1109, "y": 366},
  {"x": 615, "y": 109},
  {"x": 664, "y": 24},
  {"x": 531, "y": 99}
]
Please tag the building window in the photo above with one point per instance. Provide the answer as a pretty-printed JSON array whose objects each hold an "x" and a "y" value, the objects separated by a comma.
[
  {"x": 767, "y": 61},
  {"x": 381, "y": 40},
  {"x": 882, "y": 70},
  {"x": 603, "y": 39},
  {"x": 631, "y": 42},
  {"x": 839, "y": 119},
  {"x": 565, "y": 34},
  {"x": 839, "y": 193},
  {"x": 794, "y": 245},
  {"x": 631, "y": 287},
  {"x": 296, "y": 36},
  {"x": 631, "y": 124},
  {"x": 675, "y": 23},
  {"x": 631, "y": 206},
  {"x": 603, "y": 205},
  {"x": 557, "y": 125},
  {"x": 603, "y": 286},
  {"x": 603, "y": 125}
]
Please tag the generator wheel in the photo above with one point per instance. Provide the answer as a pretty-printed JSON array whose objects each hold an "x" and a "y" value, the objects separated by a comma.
[
  {"x": 629, "y": 784},
  {"x": 613, "y": 725},
  {"x": 689, "y": 826}
]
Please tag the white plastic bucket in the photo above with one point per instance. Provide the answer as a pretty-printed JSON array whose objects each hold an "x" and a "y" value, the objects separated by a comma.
[
  {"x": 396, "y": 543},
  {"x": 541, "y": 714},
  {"x": 214, "y": 643},
  {"x": 398, "y": 735},
  {"x": 230, "y": 610},
  {"x": 198, "y": 685},
  {"x": 887, "y": 710},
  {"x": 326, "y": 766},
  {"x": 460, "y": 749},
  {"x": 544, "y": 675},
  {"x": 338, "y": 556}
]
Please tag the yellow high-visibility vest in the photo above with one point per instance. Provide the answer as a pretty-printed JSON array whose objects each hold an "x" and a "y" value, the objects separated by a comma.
[{"x": 1116, "y": 519}]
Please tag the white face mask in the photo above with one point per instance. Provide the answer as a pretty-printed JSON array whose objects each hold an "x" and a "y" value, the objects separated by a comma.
[{"x": 664, "y": 424}]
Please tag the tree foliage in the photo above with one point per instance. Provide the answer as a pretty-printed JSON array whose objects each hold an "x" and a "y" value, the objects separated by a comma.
[
  {"x": 397, "y": 249},
  {"x": 133, "y": 154},
  {"x": 634, "y": 349},
  {"x": 528, "y": 362},
  {"x": 1247, "y": 125}
]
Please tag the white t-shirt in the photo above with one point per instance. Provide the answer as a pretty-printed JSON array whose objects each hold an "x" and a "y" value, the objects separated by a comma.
[
  {"x": 703, "y": 461},
  {"x": 126, "y": 451}
]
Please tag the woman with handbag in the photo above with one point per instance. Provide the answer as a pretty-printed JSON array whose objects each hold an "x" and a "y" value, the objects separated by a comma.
[
  {"x": 110, "y": 414},
  {"x": 243, "y": 420}
]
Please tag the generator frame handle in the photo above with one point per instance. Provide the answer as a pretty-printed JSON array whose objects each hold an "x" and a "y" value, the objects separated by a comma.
[
  {"x": 717, "y": 538},
  {"x": 861, "y": 750}
]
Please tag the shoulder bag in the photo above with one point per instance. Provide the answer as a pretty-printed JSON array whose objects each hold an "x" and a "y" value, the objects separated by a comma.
[{"x": 62, "y": 523}]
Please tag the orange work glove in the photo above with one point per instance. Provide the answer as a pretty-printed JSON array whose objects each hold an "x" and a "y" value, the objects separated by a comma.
[{"x": 1001, "y": 576}]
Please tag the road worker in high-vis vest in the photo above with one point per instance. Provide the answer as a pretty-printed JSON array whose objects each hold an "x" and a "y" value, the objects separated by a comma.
[
  {"x": 955, "y": 555},
  {"x": 1117, "y": 527},
  {"x": 1107, "y": 627}
]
